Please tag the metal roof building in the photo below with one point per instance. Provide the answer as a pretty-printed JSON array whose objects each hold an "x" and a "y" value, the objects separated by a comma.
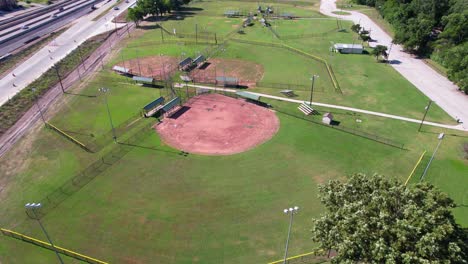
[{"x": 349, "y": 48}]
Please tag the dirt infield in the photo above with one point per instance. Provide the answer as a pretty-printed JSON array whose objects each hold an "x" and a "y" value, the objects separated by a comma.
[
  {"x": 247, "y": 72},
  {"x": 152, "y": 66},
  {"x": 213, "y": 124}
]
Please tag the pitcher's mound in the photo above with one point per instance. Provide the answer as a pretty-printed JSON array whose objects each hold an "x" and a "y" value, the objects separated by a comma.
[{"x": 214, "y": 124}]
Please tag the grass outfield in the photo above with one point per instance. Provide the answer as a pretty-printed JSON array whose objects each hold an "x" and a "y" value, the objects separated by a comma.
[{"x": 157, "y": 206}]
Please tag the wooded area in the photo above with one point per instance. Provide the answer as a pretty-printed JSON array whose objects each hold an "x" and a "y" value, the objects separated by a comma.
[
  {"x": 7, "y": 4},
  {"x": 431, "y": 28},
  {"x": 153, "y": 8}
]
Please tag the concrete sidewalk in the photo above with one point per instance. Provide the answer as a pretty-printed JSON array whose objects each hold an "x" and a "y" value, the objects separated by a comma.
[{"x": 357, "y": 110}]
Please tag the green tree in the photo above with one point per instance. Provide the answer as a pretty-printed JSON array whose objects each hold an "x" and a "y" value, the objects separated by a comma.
[
  {"x": 135, "y": 14},
  {"x": 375, "y": 219},
  {"x": 380, "y": 50},
  {"x": 356, "y": 28}
]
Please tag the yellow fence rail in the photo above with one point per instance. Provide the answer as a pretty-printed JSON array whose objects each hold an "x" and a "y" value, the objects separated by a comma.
[
  {"x": 414, "y": 169},
  {"x": 48, "y": 246},
  {"x": 312, "y": 253},
  {"x": 69, "y": 137}
]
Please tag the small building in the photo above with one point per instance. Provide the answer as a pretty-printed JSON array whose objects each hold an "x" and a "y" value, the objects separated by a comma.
[
  {"x": 122, "y": 70},
  {"x": 227, "y": 81},
  {"x": 349, "y": 48},
  {"x": 327, "y": 118},
  {"x": 145, "y": 81}
]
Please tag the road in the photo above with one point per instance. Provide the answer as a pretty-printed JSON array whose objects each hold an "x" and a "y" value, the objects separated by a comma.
[
  {"x": 435, "y": 86},
  {"x": 357, "y": 110},
  {"x": 41, "y": 25},
  {"x": 82, "y": 29}
]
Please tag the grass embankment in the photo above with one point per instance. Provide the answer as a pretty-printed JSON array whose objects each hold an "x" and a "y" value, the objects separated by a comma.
[
  {"x": 12, "y": 110},
  {"x": 220, "y": 209},
  {"x": 24, "y": 54}
]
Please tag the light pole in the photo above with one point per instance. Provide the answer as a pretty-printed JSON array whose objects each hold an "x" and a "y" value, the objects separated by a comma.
[
  {"x": 60, "y": 78},
  {"x": 38, "y": 106},
  {"x": 312, "y": 88},
  {"x": 32, "y": 207},
  {"x": 291, "y": 211},
  {"x": 425, "y": 113},
  {"x": 440, "y": 137},
  {"x": 105, "y": 91}
]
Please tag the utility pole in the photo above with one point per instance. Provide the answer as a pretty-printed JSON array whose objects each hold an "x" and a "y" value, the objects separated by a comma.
[
  {"x": 312, "y": 88},
  {"x": 425, "y": 113},
  {"x": 38, "y": 106},
  {"x": 60, "y": 78}
]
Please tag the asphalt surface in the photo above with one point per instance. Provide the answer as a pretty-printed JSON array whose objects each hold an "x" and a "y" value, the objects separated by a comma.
[
  {"x": 81, "y": 30},
  {"x": 43, "y": 30},
  {"x": 435, "y": 86}
]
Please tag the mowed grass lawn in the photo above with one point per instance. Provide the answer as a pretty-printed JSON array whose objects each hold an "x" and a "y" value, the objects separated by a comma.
[{"x": 156, "y": 206}]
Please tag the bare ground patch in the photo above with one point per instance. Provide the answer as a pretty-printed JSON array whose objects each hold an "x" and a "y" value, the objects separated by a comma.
[
  {"x": 213, "y": 124},
  {"x": 153, "y": 66},
  {"x": 247, "y": 72}
]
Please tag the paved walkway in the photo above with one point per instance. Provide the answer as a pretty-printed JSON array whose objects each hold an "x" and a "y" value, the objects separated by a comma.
[
  {"x": 435, "y": 86},
  {"x": 44, "y": 59},
  {"x": 357, "y": 110}
]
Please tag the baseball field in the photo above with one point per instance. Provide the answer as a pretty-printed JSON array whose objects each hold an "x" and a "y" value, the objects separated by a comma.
[{"x": 209, "y": 183}]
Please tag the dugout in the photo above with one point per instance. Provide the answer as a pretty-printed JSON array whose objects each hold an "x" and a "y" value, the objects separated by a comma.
[
  {"x": 122, "y": 70},
  {"x": 199, "y": 60},
  {"x": 153, "y": 107},
  {"x": 227, "y": 81},
  {"x": 185, "y": 64},
  {"x": 144, "y": 81},
  {"x": 252, "y": 98},
  {"x": 232, "y": 13}
]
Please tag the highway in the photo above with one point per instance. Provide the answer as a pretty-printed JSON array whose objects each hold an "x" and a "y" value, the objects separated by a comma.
[
  {"x": 82, "y": 29},
  {"x": 19, "y": 30}
]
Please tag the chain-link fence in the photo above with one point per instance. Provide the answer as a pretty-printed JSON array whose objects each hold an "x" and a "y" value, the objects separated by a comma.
[{"x": 73, "y": 185}]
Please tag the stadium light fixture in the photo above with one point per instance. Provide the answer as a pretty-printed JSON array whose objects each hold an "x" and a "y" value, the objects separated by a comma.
[
  {"x": 105, "y": 90},
  {"x": 291, "y": 211},
  {"x": 32, "y": 207}
]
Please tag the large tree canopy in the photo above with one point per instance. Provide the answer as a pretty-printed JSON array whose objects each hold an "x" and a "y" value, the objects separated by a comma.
[
  {"x": 154, "y": 8},
  {"x": 373, "y": 219},
  {"x": 435, "y": 28}
]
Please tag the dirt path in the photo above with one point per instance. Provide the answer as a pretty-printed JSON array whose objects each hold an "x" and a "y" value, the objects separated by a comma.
[
  {"x": 90, "y": 65},
  {"x": 435, "y": 86}
]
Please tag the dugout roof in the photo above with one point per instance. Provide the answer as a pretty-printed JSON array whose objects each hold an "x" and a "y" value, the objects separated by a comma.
[{"x": 248, "y": 95}]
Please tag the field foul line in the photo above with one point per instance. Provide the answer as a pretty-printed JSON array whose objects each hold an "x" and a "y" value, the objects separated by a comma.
[
  {"x": 346, "y": 108},
  {"x": 414, "y": 169}
]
